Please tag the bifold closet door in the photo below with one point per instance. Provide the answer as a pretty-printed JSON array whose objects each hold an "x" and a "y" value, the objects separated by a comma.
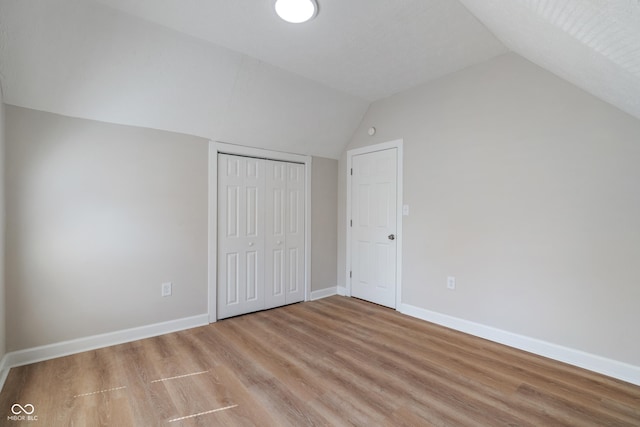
[
  {"x": 284, "y": 257},
  {"x": 241, "y": 235},
  {"x": 261, "y": 229}
]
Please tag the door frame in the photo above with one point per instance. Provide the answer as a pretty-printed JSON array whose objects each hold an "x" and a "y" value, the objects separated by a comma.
[
  {"x": 397, "y": 144},
  {"x": 216, "y": 147}
]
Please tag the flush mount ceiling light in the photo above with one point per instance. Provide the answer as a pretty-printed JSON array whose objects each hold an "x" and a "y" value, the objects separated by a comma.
[{"x": 296, "y": 11}]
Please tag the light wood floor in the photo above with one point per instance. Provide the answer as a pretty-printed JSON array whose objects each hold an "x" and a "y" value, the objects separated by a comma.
[{"x": 336, "y": 361}]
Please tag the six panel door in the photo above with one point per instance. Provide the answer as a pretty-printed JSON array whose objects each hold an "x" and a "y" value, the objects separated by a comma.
[
  {"x": 373, "y": 230},
  {"x": 274, "y": 201}
]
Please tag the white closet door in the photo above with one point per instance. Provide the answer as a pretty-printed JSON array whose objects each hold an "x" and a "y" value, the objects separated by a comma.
[
  {"x": 295, "y": 226},
  {"x": 284, "y": 257},
  {"x": 276, "y": 236},
  {"x": 241, "y": 235}
]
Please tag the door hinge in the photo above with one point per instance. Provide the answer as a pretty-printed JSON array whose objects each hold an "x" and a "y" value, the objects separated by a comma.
[
  {"x": 351, "y": 171},
  {"x": 350, "y": 223},
  {"x": 350, "y": 274}
]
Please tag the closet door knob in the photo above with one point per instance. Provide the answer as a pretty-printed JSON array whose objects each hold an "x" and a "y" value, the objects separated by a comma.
[
  {"x": 392, "y": 237},
  {"x": 250, "y": 243},
  {"x": 278, "y": 242}
]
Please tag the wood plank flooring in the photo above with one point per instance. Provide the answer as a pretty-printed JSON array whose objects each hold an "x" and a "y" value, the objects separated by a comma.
[{"x": 337, "y": 361}]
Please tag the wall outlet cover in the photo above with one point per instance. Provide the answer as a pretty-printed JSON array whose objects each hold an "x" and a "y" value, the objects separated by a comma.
[
  {"x": 166, "y": 289},
  {"x": 451, "y": 282}
]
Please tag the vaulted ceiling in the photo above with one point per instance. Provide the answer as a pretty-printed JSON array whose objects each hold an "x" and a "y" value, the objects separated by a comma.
[
  {"x": 594, "y": 44},
  {"x": 232, "y": 71}
]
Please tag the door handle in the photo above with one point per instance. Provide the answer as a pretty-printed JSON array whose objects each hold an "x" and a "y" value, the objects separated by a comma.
[{"x": 392, "y": 237}]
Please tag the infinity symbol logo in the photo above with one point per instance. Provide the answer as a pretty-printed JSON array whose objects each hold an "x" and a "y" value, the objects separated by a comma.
[{"x": 17, "y": 409}]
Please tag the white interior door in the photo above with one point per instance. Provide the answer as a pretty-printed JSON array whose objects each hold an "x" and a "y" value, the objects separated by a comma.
[
  {"x": 373, "y": 227},
  {"x": 241, "y": 235}
]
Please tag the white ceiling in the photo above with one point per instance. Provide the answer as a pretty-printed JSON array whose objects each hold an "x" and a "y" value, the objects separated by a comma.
[
  {"x": 82, "y": 59},
  {"x": 594, "y": 44},
  {"x": 367, "y": 48},
  {"x": 232, "y": 71}
]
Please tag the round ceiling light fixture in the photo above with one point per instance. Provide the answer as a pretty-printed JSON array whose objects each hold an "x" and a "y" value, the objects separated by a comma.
[{"x": 296, "y": 11}]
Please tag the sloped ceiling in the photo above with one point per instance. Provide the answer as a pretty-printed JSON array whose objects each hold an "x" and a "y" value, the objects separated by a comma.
[
  {"x": 594, "y": 44},
  {"x": 232, "y": 71},
  {"x": 85, "y": 60},
  {"x": 367, "y": 48}
]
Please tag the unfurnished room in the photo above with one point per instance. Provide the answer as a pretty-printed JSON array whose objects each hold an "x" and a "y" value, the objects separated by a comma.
[{"x": 319, "y": 213}]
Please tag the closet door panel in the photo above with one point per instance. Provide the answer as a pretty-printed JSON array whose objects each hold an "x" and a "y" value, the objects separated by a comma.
[
  {"x": 295, "y": 231},
  {"x": 241, "y": 235},
  {"x": 275, "y": 219}
]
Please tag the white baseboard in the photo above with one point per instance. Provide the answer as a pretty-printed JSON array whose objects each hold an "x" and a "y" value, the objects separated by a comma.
[
  {"x": 613, "y": 368},
  {"x": 342, "y": 291},
  {"x": 4, "y": 371},
  {"x": 323, "y": 293},
  {"x": 65, "y": 348}
]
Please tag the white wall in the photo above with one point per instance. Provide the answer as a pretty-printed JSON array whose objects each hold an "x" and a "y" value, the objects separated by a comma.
[
  {"x": 324, "y": 239},
  {"x": 98, "y": 216},
  {"x": 525, "y": 188},
  {"x": 101, "y": 214}
]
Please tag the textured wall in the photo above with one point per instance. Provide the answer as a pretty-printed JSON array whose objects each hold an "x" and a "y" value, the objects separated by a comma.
[{"x": 525, "y": 188}]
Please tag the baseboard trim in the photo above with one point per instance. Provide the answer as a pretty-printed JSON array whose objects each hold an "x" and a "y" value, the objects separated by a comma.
[
  {"x": 613, "y": 368},
  {"x": 4, "y": 371},
  {"x": 323, "y": 293},
  {"x": 65, "y": 348}
]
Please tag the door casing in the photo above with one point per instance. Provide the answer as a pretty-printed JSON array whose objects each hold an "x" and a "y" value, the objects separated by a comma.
[
  {"x": 370, "y": 149},
  {"x": 216, "y": 147}
]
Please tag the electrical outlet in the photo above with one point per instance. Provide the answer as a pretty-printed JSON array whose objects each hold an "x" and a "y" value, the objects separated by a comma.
[
  {"x": 451, "y": 282},
  {"x": 166, "y": 289}
]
